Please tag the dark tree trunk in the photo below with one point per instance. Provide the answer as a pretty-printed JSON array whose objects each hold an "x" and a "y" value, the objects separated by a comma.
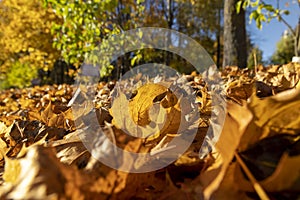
[
  {"x": 235, "y": 46},
  {"x": 297, "y": 39},
  {"x": 219, "y": 37}
]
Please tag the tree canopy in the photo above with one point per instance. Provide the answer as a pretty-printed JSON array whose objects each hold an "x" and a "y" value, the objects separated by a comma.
[
  {"x": 25, "y": 40},
  {"x": 284, "y": 51},
  {"x": 265, "y": 12},
  {"x": 38, "y": 33},
  {"x": 25, "y": 33}
]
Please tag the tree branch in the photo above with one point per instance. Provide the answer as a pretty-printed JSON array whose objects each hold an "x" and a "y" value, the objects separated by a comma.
[
  {"x": 283, "y": 20},
  {"x": 287, "y": 24}
]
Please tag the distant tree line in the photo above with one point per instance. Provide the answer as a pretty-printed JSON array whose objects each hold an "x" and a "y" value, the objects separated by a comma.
[{"x": 47, "y": 40}]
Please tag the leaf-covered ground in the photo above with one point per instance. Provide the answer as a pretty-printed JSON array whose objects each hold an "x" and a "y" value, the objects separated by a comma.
[{"x": 257, "y": 155}]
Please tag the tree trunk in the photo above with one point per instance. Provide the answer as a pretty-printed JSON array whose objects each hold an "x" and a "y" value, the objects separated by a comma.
[
  {"x": 297, "y": 39},
  {"x": 219, "y": 36},
  {"x": 235, "y": 45}
]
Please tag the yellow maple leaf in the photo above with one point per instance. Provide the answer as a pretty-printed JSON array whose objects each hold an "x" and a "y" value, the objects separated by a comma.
[{"x": 152, "y": 112}]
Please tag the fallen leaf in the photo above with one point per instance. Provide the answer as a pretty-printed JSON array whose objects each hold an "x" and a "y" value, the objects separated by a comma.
[
  {"x": 139, "y": 106},
  {"x": 3, "y": 127},
  {"x": 276, "y": 165},
  {"x": 123, "y": 120},
  {"x": 12, "y": 170},
  {"x": 273, "y": 115},
  {"x": 47, "y": 113},
  {"x": 42, "y": 176},
  {"x": 225, "y": 147}
]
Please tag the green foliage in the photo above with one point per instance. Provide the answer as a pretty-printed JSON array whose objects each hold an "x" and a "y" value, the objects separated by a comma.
[
  {"x": 284, "y": 51},
  {"x": 87, "y": 23},
  {"x": 262, "y": 13},
  {"x": 255, "y": 57},
  {"x": 19, "y": 75},
  {"x": 265, "y": 13}
]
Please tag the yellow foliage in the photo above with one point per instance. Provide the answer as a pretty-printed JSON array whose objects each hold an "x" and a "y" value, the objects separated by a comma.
[{"x": 25, "y": 34}]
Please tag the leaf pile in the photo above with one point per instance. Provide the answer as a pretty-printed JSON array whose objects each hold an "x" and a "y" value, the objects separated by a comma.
[{"x": 257, "y": 154}]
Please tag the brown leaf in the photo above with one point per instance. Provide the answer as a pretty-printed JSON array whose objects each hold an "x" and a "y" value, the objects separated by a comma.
[
  {"x": 229, "y": 139},
  {"x": 57, "y": 120},
  {"x": 275, "y": 162},
  {"x": 71, "y": 150},
  {"x": 13, "y": 133},
  {"x": 47, "y": 113},
  {"x": 42, "y": 176},
  {"x": 240, "y": 91},
  {"x": 278, "y": 114}
]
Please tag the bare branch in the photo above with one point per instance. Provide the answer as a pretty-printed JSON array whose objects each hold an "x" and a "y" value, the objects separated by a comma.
[
  {"x": 287, "y": 24},
  {"x": 283, "y": 20}
]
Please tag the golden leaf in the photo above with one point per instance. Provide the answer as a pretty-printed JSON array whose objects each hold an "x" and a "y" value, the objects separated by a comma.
[
  {"x": 24, "y": 148},
  {"x": 47, "y": 113},
  {"x": 12, "y": 170},
  {"x": 3, "y": 149},
  {"x": 277, "y": 114},
  {"x": 154, "y": 111},
  {"x": 141, "y": 103},
  {"x": 2, "y": 128},
  {"x": 234, "y": 127}
]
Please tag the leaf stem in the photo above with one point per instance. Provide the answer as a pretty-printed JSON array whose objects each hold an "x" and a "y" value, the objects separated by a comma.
[{"x": 257, "y": 187}]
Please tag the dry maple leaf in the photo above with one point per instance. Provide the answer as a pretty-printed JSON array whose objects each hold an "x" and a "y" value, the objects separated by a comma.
[
  {"x": 47, "y": 113},
  {"x": 277, "y": 114},
  {"x": 42, "y": 176},
  {"x": 233, "y": 129},
  {"x": 274, "y": 161},
  {"x": 151, "y": 113},
  {"x": 4, "y": 148},
  {"x": 71, "y": 150},
  {"x": 3, "y": 127},
  {"x": 143, "y": 100},
  {"x": 266, "y": 122},
  {"x": 128, "y": 115}
]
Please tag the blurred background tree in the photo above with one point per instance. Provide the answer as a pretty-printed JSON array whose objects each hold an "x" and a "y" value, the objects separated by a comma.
[
  {"x": 285, "y": 49},
  {"x": 87, "y": 23},
  {"x": 58, "y": 36},
  {"x": 19, "y": 75},
  {"x": 191, "y": 18},
  {"x": 235, "y": 37},
  {"x": 25, "y": 38},
  {"x": 255, "y": 57},
  {"x": 265, "y": 12}
]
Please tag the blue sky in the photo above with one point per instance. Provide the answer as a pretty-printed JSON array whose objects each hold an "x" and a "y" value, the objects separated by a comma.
[{"x": 271, "y": 33}]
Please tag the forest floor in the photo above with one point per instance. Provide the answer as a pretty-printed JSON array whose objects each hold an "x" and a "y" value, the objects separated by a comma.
[{"x": 253, "y": 145}]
